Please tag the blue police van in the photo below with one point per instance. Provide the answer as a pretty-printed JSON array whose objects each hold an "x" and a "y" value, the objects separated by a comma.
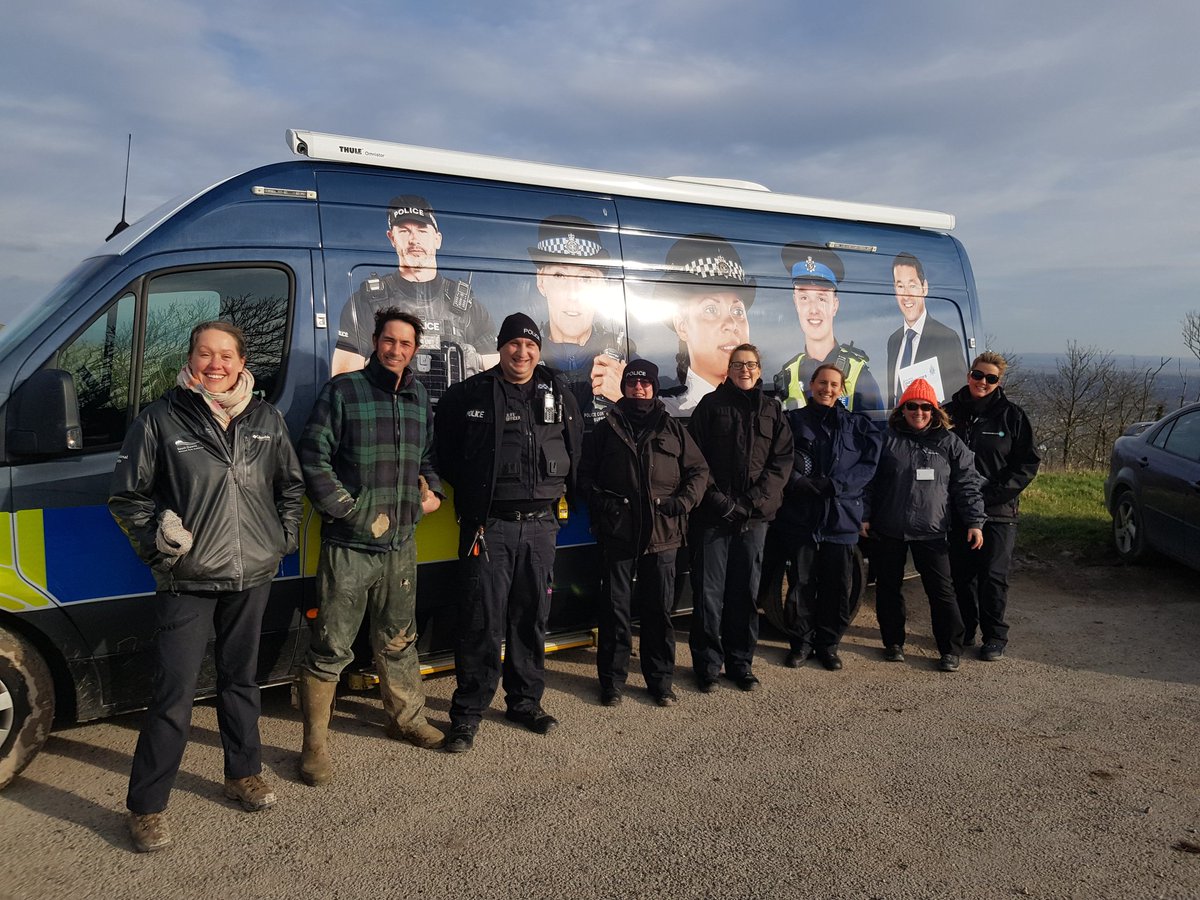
[{"x": 292, "y": 252}]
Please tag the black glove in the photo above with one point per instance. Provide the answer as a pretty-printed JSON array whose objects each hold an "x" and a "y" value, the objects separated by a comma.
[
  {"x": 742, "y": 511},
  {"x": 720, "y": 505},
  {"x": 822, "y": 487},
  {"x": 802, "y": 486},
  {"x": 670, "y": 506}
]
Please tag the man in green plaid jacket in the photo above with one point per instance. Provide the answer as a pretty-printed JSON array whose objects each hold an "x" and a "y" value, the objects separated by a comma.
[{"x": 367, "y": 456}]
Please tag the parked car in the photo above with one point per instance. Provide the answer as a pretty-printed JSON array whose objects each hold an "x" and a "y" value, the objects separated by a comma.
[{"x": 1153, "y": 488}]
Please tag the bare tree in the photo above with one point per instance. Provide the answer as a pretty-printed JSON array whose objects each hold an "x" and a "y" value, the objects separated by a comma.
[
  {"x": 1069, "y": 397},
  {"x": 1088, "y": 402},
  {"x": 1191, "y": 332}
]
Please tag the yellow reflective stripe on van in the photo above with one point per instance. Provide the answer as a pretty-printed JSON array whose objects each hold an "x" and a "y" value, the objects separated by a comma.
[
  {"x": 23, "y": 562},
  {"x": 437, "y": 536}
]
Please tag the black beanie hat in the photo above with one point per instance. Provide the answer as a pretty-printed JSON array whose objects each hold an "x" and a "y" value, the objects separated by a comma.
[
  {"x": 518, "y": 325},
  {"x": 640, "y": 368}
]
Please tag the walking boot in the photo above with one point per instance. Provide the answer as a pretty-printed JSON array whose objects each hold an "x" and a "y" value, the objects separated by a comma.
[
  {"x": 403, "y": 707},
  {"x": 316, "y": 703}
]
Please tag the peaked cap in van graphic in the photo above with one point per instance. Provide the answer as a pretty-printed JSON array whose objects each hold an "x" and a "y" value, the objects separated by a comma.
[{"x": 569, "y": 240}]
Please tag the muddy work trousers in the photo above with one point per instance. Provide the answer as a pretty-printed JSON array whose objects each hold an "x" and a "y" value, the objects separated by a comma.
[{"x": 352, "y": 584}]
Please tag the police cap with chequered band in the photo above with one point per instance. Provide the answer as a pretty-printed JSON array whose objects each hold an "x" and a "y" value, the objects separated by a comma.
[{"x": 569, "y": 240}]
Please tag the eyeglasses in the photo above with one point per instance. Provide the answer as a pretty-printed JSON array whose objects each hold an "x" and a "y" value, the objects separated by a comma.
[
  {"x": 984, "y": 376},
  {"x": 641, "y": 382},
  {"x": 912, "y": 406},
  {"x": 748, "y": 366}
]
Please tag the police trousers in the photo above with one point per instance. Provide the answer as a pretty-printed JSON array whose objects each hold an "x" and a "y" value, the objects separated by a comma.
[
  {"x": 505, "y": 600},
  {"x": 185, "y": 623}
]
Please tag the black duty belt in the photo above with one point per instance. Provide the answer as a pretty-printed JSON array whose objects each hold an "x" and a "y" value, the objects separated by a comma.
[{"x": 517, "y": 515}]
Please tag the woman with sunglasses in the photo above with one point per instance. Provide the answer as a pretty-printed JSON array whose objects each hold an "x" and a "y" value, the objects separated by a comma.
[
  {"x": 746, "y": 440},
  {"x": 999, "y": 434},
  {"x": 924, "y": 471}
]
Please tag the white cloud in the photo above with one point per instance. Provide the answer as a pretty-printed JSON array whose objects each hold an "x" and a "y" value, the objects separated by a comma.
[{"x": 1063, "y": 135}]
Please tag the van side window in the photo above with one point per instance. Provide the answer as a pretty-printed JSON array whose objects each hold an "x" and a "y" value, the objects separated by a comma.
[
  {"x": 99, "y": 362},
  {"x": 254, "y": 299}
]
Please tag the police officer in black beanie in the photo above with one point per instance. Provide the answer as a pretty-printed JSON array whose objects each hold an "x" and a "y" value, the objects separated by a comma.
[
  {"x": 641, "y": 475},
  {"x": 508, "y": 441}
]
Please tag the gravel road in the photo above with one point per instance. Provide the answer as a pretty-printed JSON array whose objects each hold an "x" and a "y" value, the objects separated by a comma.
[{"x": 1069, "y": 769}]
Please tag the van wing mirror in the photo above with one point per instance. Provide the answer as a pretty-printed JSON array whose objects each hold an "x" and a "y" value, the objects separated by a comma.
[{"x": 43, "y": 415}]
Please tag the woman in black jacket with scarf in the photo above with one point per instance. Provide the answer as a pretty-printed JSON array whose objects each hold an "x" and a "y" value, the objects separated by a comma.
[
  {"x": 924, "y": 471},
  {"x": 999, "y": 434},
  {"x": 641, "y": 475}
]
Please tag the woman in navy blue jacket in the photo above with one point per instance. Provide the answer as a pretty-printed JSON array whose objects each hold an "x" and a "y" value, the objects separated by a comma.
[{"x": 836, "y": 452}]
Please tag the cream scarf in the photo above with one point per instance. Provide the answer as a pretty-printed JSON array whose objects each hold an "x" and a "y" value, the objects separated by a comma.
[{"x": 226, "y": 406}]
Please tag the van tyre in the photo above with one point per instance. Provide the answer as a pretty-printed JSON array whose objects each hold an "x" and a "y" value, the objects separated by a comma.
[
  {"x": 1129, "y": 535},
  {"x": 26, "y": 704}
]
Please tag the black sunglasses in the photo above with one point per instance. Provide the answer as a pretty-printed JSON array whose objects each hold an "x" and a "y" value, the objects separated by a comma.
[
  {"x": 913, "y": 406},
  {"x": 984, "y": 376}
]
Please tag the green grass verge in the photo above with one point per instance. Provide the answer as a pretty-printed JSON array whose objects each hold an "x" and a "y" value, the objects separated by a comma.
[{"x": 1062, "y": 513}]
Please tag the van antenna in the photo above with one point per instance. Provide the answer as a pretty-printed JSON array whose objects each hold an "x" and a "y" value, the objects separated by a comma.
[{"x": 122, "y": 225}]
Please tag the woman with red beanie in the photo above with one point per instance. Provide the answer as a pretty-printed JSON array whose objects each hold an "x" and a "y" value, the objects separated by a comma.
[{"x": 924, "y": 471}]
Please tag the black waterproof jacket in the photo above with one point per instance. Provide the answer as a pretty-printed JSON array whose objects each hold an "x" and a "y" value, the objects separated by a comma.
[
  {"x": 240, "y": 493},
  {"x": 999, "y": 434},
  {"x": 921, "y": 476},
  {"x": 630, "y": 481},
  {"x": 469, "y": 426},
  {"x": 748, "y": 445}
]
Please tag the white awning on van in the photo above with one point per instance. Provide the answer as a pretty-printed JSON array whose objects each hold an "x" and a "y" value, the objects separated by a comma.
[{"x": 707, "y": 192}]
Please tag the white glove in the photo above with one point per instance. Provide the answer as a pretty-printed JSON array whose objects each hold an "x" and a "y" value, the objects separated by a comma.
[{"x": 172, "y": 538}]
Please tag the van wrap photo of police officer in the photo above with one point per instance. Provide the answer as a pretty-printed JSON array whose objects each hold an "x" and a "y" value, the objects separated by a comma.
[
  {"x": 816, "y": 274},
  {"x": 584, "y": 333},
  {"x": 708, "y": 288},
  {"x": 456, "y": 324}
]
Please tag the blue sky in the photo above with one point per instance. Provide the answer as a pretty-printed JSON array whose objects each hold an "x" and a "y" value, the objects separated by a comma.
[{"x": 1064, "y": 136}]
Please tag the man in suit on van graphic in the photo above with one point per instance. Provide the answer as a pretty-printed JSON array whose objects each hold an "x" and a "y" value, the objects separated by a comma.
[
  {"x": 816, "y": 273},
  {"x": 921, "y": 338},
  {"x": 455, "y": 323},
  {"x": 585, "y": 330}
]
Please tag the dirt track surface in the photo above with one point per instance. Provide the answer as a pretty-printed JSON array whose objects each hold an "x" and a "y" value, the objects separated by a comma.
[{"x": 1069, "y": 769}]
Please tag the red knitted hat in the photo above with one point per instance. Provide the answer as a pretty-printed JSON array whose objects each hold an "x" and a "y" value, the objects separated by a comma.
[{"x": 921, "y": 391}]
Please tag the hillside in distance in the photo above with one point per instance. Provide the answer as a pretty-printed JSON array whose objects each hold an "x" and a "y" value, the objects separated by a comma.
[{"x": 1177, "y": 383}]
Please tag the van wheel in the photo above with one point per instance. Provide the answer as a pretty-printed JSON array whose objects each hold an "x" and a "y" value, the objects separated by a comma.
[
  {"x": 26, "y": 704},
  {"x": 1129, "y": 536}
]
